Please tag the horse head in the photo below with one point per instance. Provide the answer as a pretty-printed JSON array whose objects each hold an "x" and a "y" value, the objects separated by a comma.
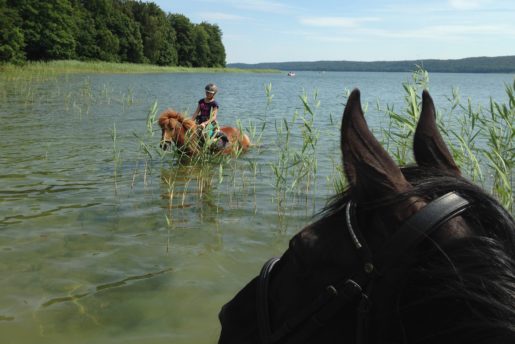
[
  {"x": 179, "y": 130},
  {"x": 416, "y": 254}
]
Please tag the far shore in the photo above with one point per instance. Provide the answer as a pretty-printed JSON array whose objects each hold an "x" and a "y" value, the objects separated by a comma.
[{"x": 73, "y": 66}]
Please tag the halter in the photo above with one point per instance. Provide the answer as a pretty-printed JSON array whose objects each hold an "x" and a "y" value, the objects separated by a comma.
[{"x": 358, "y": 288}]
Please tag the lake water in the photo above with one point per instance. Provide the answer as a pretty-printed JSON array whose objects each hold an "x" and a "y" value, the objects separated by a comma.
[{"x": 101, "y": 243}]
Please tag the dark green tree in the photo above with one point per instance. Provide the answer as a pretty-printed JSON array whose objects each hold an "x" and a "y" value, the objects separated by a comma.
[
  {"x": 216, "y": 48},
  {"x": 159, "y": 42},
  {"x": 184, "y": 33},
  {"x": 116, "y": 33},
  {"x": 106, "y": 30},
  {"x": 48, "y": 27},
  {"x": 127, "y": 31},
  {"x": 201, "y": 53},
  {"x": 12, "y": 41},
  {"x": 95, "y": 39}
]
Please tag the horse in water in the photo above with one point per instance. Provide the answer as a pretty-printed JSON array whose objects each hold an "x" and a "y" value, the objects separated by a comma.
[
  {"x": 405, "y": 255},
  {"x": 189, "y": 138}
]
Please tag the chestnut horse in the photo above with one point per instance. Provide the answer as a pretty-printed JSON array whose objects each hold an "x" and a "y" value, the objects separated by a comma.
[
  {"x": 188, "y": 137},
  {"x": 405, "y": 255}
]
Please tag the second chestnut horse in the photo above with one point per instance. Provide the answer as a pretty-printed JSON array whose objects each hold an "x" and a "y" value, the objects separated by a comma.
[{"x": 188, "y": 136}]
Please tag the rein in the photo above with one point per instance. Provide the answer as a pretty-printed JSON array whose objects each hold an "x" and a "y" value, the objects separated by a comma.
[{"x": 358, "y": 288}]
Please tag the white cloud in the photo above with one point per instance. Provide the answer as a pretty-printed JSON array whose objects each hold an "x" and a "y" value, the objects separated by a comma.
[
  {"x": 467, "y": 4},
  {"x": 260, "y": 5},
  {"x": 331, "y": 39},
  {"x": 213, "y": 16},
  {"x": 335, "y": 21},
  {"x": 445, "y": 32}
]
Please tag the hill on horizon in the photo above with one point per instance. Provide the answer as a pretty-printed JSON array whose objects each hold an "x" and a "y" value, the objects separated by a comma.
[{"x": 499, "y": 64}]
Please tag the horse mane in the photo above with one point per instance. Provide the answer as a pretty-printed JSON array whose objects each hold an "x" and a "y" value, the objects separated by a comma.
[
  {"x": 170, "y": 119},
  {"x": 180, "y": 126},
  {"x": 467, "y": 281}
]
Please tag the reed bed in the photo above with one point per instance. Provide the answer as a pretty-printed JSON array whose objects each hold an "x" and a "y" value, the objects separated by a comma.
[
  {"x": 50, "y": 68},
  {"x": 482, "y": 145},
  {"x": 482, "y": 141}
]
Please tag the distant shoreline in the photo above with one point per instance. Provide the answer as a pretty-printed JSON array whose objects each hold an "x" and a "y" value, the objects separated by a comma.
[{"x": 500, "y": 64}]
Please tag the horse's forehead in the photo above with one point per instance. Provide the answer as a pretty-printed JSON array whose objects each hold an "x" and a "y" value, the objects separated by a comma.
[
  {"x": 323, "y": 239},
  {"x": 309, "y": 236}
]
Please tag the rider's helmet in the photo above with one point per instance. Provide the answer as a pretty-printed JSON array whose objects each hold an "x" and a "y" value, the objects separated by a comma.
[{"x": 211, "y": 88}]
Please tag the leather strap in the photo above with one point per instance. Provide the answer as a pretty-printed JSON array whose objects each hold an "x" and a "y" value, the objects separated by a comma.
[
  {"x": 265, "y": 332},
  {"x": 313, "y": 317},
  {"x": 420, "y": 226}
]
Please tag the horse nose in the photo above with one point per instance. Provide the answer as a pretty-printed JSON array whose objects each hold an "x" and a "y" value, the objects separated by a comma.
[
  {"x": 221, "y": 314},
  {"x": 165, "y": 145}
]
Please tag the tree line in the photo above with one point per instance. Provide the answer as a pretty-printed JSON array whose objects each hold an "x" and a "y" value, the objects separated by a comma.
[
  {"x": 499, "y": 64},
  {"x": 105, "y": 30}
]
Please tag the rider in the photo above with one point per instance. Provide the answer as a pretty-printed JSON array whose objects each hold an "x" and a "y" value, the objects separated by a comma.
[{"x": 207, "y": 109}]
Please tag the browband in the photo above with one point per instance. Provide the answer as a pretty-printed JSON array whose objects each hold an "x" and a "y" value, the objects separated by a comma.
[{"x": 421, "y": 225}]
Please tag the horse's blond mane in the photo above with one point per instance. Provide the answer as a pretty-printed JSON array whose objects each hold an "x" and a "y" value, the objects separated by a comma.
[{"x": 170, "y": 118}]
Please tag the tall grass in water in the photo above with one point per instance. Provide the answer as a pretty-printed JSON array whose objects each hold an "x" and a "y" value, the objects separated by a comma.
[
  {"x": 295, "y": 169},
  {"x": 500, "y": 151},
  {"x": 191, "y": 181},
  {"x": 116, "y": 158},
  {"x": 482, "y": 138}
]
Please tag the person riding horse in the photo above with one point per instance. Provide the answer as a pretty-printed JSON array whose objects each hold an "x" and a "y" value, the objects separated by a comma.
[{"x": 206, "y": 114}]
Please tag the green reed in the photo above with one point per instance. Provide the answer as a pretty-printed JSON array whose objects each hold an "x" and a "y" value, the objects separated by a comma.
[
  {"x": 401, "y": 126},
  {"x": 481, "y": 143},
  {"x": 188, "y": 179},
  {"x": 500, "y": 151},
  {"x": 116, "y": 158},
  {"x": 480, "y": 138},
  {"x": 295, "y": 169}
]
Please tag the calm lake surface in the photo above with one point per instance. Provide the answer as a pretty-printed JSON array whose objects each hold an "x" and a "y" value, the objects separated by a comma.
[{"x": 101, "y": 242}]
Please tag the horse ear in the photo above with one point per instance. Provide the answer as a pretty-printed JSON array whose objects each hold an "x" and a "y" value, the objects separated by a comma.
[
  {"x": 371, "y": 172},
  {"x": 428, "y": 145}
]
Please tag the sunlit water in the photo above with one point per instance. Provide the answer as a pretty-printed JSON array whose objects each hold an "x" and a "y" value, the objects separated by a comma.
[{"x": 101, "y": 244}]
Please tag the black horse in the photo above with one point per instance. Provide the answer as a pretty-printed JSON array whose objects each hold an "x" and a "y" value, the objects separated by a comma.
[{"x": 405, "y": 255}]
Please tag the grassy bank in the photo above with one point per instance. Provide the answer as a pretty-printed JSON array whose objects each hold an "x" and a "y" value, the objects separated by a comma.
[{"x": 72, "y": 66}]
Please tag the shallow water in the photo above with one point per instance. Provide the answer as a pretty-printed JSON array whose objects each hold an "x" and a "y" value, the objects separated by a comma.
[{"x": 101, "y": 243}]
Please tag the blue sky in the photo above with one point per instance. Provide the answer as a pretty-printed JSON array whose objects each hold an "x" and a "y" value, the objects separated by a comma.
[{"x": 359, "y": 30}]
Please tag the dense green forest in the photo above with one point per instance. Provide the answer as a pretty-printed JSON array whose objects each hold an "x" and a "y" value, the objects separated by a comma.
[
  {"x": 105, "y": 30},
  {"x": 501, "y": 64}
]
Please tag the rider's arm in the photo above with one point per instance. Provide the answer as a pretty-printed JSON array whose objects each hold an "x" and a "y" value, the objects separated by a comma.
[
  {"x": 212, "y": 118},
  {"x": 195, "y": 114}
]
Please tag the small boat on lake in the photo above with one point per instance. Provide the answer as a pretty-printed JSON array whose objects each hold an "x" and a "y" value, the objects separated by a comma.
[{"x": 291, "y": 73}]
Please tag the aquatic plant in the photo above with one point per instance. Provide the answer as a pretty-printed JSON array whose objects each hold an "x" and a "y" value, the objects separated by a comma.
[{"x": 483, "y": 139}]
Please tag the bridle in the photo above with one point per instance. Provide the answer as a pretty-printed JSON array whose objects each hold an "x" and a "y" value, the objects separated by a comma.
[{"x": 357, "y": 288}]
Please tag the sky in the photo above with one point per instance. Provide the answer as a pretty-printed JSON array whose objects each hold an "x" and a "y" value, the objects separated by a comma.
[{"x": 360, "y": 30}]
